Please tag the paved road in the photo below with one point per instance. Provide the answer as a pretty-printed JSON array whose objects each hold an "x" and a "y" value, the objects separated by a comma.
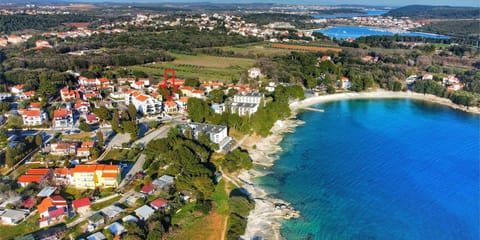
[{"x": 138, "y": 166}]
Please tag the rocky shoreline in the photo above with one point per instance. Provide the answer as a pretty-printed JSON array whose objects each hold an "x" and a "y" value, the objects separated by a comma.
[{"x": 265, "y": 220}]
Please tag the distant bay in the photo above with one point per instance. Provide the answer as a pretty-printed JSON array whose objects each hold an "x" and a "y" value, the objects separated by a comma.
[
  {"x": 368, "y": 12},
  {"x": 344, "y": 32},
  {"x": 380, "y": 169}
]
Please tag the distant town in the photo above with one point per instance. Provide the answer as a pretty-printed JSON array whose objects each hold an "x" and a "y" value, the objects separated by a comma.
[{"x": 137, "y": 125}]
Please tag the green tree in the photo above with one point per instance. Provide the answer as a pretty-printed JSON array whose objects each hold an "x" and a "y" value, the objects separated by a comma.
[
  {"x": 192, "y": 82},
  {"x": 84, "y": 126},
  {"x": 103, "y": 113},
  {"x": 116, "y": 122},
  {"x": 132, "y": 111},
  {"x": 216, "y": 96},
  {"x": 38, "y": 140},
  {"x": 100, "y": 139}
]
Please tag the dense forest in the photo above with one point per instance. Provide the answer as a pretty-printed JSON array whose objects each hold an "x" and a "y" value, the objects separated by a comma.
[
  {"x": 13, "y": 23},
  {"x": 177, "y": 40},
  {"x": 459, "y": 28},
  {"x": 442, "y": 12}
]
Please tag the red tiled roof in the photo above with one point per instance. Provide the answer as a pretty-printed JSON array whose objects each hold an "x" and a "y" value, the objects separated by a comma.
[
  {"x": 88, "y": 144},
  {"x": 31, "y": 113},
  {"x": 57, "y": 212},
  {"x": 109, "y": 175},
  {"x": 44, "y": 205},
  {"x": 30, "y": 178},
  {"x": 147, "y": 188},
  {"x": 82, "y": 202},
  {"x": 29, "y": 203},
  {"x": 61, "y": 171},
  {"x": 158, "y": 203},
  {"x": 37, "y": 171}
]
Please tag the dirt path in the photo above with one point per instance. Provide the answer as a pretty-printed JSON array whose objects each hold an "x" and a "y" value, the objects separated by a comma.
[{"x": 225, "y": 220}]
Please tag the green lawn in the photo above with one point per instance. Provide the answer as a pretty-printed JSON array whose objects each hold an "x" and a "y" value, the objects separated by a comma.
[
  {"x": 117, "y": 155},
  {"x": 24, "y": 228},
  {"x": 204, "y": 67},
  {"x": 220, "y": 197},
  {"x": 98, "y": 206}
]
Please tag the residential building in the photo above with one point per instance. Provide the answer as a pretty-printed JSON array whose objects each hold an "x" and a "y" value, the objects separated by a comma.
[
  {"x": 12, "y": 216},
  {"x": 116, "y": 229},
  {"x": 246, "y": 103},
  {"x": 145, "y": 104},
  {"x": 52, "y": 210},
  {"x": 254, "y": 73},
  {"x": 244, "y": 109},
  {"x": 158, "y": 204},
  {"x": 46, "y": 191},
  {"x": 95, "y": 221},
  {"x": 144, "y": 212},
  {"x": 63, "y": 148},
  {"x": 62, "y": 118},
  {"x": 110, "y": 212},
  {"x": 81, "y": 203},
  {"x": 32, "y": 117},
  {"x": 164, "y": 182},
  {"x": 62, "y": 176},
  {"x": 344, "y": 83},
  {"x": 148, "y": 189},
  {"x": 217, "y": 134},
  {"x": 95, "y": 175},
  {"x": 34, "y": 175},
  {"x": 218, "y": 107},
  {"x": 170, "y": 107}
]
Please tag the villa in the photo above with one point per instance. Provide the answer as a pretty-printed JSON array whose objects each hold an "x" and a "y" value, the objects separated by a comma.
[{"x": 145, "y": 104}]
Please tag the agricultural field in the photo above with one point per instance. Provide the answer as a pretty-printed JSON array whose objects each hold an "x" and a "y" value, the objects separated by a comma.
[
  {"x": 305, "y": 48},
  {"x": 205, "y": 67},
  {"x": 255, "y": 50}
]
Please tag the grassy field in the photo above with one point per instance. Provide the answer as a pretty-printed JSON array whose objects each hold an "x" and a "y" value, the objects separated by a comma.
[
  {"x": 100, "y": 205},
  {"x": 204, "y": 67},
  {"x": 210, "y": 226},
  {"x": 256, "y": 50},
  {"x": 79, "y": 136},
  {"x": 118, "y": 155},
  {"x": 24, "y": 228}
]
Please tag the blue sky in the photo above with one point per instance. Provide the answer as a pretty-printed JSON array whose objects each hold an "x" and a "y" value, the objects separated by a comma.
[{"x": 475, "y": 3}]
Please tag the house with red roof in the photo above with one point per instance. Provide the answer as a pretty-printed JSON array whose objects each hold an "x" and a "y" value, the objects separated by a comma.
[
  {"x": 17, "y": 89},
  {"x": 29, "y": 203},
  {"x": 34, "y": 175},
  {"x": 158, "y": 204},
  {"x": 143, "y": 103},
  {"x": 62, "y": 176},
  {"x": 52, "y": 210},
  {"x": 63, "y": 148},
  {"x": 62, "y": 118},
  {"x": 81, "y": 203},
  {"x": 32, "y": 117},
  {"x": 83, "y": 152},
  {"x": 81, "y": 106},
  {"x": 170, "y": 107},
  {"x": 68, "y": 94},
  {"x": 148, "y": 189}
]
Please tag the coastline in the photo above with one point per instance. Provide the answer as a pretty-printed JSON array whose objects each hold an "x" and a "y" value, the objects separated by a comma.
[{"x": 265, "y": 220}]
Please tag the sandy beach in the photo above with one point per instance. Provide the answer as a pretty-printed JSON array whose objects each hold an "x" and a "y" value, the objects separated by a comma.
[{"x": 265, "y": 220}]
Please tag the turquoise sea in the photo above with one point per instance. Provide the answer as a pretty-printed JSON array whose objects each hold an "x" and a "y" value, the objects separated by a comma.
[
  {"x": 344, "y": 32},
  {"x": 381, "y": 169}
]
